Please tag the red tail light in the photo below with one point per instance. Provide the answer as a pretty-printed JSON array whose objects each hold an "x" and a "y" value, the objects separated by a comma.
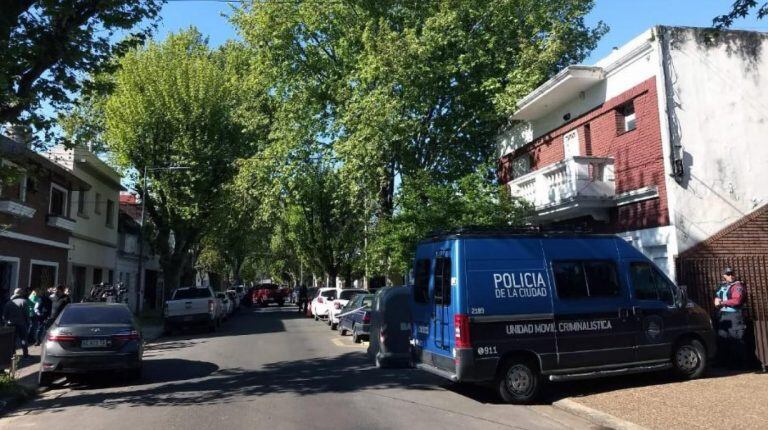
[
  {"x": 366, "y": 318},
  {"x": 61, "y": 338},
  {"x": 461, "y": 331},
  {"x": 210, "y": 306},
  {"x": 127, "y": 335}
]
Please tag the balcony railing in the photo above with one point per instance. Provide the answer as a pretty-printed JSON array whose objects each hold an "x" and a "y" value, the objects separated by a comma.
[
  {"x": 61, "y": 222},
  {"x": 17, "y": 209},
  {"x": 574, "y": 187}
]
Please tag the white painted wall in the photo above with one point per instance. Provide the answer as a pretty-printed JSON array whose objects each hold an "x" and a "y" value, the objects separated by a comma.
[
  {"x": 720, "y": 101},
  {"x": 625, "y": 67}
]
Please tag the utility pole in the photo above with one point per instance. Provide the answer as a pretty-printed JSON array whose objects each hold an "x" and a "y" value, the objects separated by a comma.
[{"x": 140, "y": 277}]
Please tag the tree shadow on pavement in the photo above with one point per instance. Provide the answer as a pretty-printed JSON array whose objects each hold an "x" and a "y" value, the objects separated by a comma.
[{"x": 350, "y": 372}]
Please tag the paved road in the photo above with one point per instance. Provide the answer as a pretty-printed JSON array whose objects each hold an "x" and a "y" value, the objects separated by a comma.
[{"x": 270, "y": 368}]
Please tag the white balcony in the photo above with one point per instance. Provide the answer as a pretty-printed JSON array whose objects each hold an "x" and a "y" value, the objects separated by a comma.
[
  {"x": 61, "y": 222},
  {"x": 575, "y": 187},
  {"x": 16, "y": 209}
]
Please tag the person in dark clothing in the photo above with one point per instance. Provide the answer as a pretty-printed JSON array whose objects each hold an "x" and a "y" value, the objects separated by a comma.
[
  {"x": 16, "y": 314},
  {"x": 59, "y": 300},
  {"x": 731, "y": 326},
  {"x": 302, "y": 302},
  {"x": 43, "y": 309}
]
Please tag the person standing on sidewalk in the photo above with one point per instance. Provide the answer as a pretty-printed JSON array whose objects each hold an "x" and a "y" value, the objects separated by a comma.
[
  {"x": 729, "y": 302},
  {"x": 16, "y": 314},
  {"x": 60, "y": 299},
  {"x": 32, "y": 301},
  {"x": 43, "y": 310}
]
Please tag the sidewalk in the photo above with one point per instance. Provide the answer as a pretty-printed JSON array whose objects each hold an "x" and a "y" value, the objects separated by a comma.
[{"x": 723, "y": 400}]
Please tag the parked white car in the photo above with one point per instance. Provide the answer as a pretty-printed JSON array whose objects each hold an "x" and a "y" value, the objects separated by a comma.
[
  {"x": 192, "y": 306},
  {"x": 322, "y": 302},
  {"x": 342, "y": 298}
]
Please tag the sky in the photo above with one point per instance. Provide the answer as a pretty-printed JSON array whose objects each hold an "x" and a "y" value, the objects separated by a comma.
[{"x": 626, "y": 19}]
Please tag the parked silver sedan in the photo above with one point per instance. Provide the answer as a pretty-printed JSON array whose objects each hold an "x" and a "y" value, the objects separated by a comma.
[{"x": 90, "y": 337}]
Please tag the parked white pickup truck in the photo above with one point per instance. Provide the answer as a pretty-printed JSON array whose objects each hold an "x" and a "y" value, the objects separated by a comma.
[{"x": 192, "y": 306}]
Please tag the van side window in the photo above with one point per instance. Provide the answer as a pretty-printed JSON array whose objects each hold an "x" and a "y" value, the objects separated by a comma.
[
  {"x": 421, "y": 286},
  {"x": 443, "y": 281},
  {"x": 649, "y": 284},
  {"x": 582, "y": 279}
]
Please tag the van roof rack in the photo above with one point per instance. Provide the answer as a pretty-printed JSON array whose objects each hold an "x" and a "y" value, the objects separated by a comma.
[{"x": 494, "y": 231}]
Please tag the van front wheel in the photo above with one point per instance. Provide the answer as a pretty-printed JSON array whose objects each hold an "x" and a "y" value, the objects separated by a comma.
[
  {"x": 689, "y": 359},
  {"x": 519, "y": 382}
]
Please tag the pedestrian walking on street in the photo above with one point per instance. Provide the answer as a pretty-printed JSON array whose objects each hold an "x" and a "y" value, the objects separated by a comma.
[
  {"x": 731, "y": 325},
  {"x": 302, "y": 299},
  {"x": 16, "y": 314},
  {"x": 60, "y": 300},
  {"x": 43, "y": 310}
]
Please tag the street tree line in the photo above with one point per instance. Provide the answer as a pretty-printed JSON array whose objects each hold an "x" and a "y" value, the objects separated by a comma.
[{"x": 327, "y": 140}]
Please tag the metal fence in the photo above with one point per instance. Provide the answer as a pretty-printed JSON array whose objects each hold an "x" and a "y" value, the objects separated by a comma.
[{"x": 702, "y": 276}]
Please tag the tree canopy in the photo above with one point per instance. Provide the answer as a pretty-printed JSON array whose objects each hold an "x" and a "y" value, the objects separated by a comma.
[
  {"x": 46, "y": 47},
  {"x": 741, "y": 9}
]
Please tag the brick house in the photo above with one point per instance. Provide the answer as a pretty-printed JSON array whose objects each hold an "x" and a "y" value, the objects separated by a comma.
[
  {"x": 35, "y": 220},
  {"x": 660, "y": 142}
]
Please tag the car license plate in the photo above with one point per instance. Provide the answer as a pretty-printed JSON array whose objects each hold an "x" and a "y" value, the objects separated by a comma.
[{"x": 94, "y": 343}]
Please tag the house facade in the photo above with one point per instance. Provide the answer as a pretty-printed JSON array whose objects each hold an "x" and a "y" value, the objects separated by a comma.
[
  {"x": 661, "y": 142},
  {"x": 36, "y": 219},
  {"x": 93, "y": 253},
  {"x": 129, "y": 250}
]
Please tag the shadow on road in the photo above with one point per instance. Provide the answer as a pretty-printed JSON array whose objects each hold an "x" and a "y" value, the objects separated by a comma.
[{"x": 346, "y": 373}]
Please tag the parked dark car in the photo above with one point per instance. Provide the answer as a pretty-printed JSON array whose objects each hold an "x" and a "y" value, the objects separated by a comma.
[
  {"x": 391, "y": 327},
  {"x": 89, "y": 337},
  {"x": 355, "y": 317}
]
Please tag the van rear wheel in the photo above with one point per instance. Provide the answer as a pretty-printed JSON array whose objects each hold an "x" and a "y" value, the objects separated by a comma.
[
  {"x": 518, "y": 382},
  {"x": 689, "y": 359}
]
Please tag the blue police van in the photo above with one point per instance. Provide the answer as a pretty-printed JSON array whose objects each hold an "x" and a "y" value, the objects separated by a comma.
[{"x": 519, "y": 309}]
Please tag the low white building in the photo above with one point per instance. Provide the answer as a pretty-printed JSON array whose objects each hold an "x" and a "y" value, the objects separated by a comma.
[{"x": 93, "y": 253}]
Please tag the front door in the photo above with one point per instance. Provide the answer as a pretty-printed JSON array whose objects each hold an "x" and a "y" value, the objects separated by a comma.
[
  {"x": 79, "y": 275},
  {"x": 658, "y": 318}
]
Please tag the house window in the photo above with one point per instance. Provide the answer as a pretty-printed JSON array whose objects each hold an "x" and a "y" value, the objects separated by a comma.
[
  {"x": 626, "y": 117},
  {"x": 58, "y": 203},
  {"x": 521, "y": 165},
  {"x": 110, "y": 213},
  {"x": 97, "y": 204},
  {"x": 81, "y": 202}
]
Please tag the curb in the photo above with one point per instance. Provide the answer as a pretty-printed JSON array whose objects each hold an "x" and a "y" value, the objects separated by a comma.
[{"x": 594, "y": 416}]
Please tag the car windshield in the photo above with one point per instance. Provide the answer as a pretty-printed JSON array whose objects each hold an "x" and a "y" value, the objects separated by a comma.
[
  {"x": 348, "y": 295},
  {"x": 367, "y": 300},
  {"x": 77, "y": 315},
  {"x": 192, "y": 293}
]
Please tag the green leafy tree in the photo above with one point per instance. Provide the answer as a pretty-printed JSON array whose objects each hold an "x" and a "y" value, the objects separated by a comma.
[
  {"x": 173, "y": 105},
  {"x": 741, "y": 9},
  {"x": 46, "y": 46},
  {"x": 424, "y": 205}
]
